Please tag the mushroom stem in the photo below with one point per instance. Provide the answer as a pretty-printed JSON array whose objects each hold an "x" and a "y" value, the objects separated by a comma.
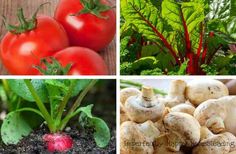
[
  {"x": 174, "y": 142},
  {"x": 176, "y": 94},
  {"x": 149, "y": 130},
  {"x": 147, "y": 93},
  {"x": 148, "y": 97},
  {"x": 205, "y": 133},
  {"x": 177, "y": 88},
  {"x": 215, "y": 124}
]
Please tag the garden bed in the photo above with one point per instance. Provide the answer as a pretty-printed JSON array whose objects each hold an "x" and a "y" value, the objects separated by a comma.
[
  {"x": 83, "y": 143},
  {"x": 81, "y": 133}
]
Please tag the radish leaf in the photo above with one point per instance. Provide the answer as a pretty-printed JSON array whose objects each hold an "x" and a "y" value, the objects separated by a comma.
[
  {"x": 101, "y": 131},
  {"x": 15, "y": 126},
  {"x": 19, "y": 87}
]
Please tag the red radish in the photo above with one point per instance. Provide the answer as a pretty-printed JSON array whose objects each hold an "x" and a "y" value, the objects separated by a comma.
[{"x": 58, "y": 142}]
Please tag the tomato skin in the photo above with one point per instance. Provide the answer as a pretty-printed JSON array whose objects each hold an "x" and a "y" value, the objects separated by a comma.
[
  {"x": 19, "y": 52},
  {"x": 84, "y": 61},
  {"x": 86, "y": 30}
]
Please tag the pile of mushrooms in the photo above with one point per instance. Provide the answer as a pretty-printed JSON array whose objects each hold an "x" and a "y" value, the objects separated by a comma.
[{"x": 197, "y": 117}]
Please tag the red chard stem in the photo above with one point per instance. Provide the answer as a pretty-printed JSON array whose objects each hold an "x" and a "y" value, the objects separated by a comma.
[
  {"x": 186, "y": 34},
  {"x": 163, "y": 39}
]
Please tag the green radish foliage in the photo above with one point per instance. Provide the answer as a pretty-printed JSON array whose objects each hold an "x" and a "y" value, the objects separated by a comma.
[
  {"x": 50, "y": 99},
  {"x": 176, "y": 37}
]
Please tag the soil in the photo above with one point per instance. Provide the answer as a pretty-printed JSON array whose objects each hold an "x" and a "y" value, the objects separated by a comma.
[{"x": 83, "y": 143}]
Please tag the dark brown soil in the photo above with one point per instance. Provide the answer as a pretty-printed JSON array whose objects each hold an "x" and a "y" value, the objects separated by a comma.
[{"x": 83, "y": 143}]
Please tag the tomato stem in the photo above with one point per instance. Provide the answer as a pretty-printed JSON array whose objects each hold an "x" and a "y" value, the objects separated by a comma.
[
  {"x": 25, "y": 25},
  {"x": 94, "y": 7},
  {"x": 53, "y": 67}
]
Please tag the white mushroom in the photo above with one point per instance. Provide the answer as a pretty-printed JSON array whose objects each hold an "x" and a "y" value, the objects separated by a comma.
[
  {"x": 141, "y": 108},
  {"x": 185, "y": 108},
  {"x": 123, "y": 117},
  {"x": 182, "y": 129},
  {"x": 218, "y": 114},
  {"x": 176, "y": 95},
  {"x": 230, "y": 84},
  {"x": 198, "y": 91},
  {"x": 161, "y": 146},
  {"x": 125, "y": 94},
  {"x": 138, "y": 138},
  {"x": 215, "y": 144}
]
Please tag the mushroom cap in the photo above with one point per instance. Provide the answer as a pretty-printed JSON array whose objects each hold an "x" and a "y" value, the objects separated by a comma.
[
  {"x": 126, "y": 93},
  {"x": 185, "y": 108},
  {"x": 198, "y": 91},
  {"x": 216, "y": 144},
  {"x": 231, "y": 140},
  {"x": 170, "y": 101},
  {"x": 229, "y": 121},
  {"x": 137, "y": 112},
  {"x": 208, "y": 109},
  {"x": 184, "y": 127},
  {"x": 218, "y": 113},
  {"x": 132, "y": 140}
]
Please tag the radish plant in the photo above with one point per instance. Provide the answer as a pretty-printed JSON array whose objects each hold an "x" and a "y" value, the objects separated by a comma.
[
  {"x": 51, "y": 98},
  {"x": 177, "y": 37}
]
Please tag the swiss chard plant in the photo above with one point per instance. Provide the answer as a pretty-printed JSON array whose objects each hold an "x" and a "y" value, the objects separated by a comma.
[
  {"x": 52, "y": 104},
  {"x": 177, "y": 37}
]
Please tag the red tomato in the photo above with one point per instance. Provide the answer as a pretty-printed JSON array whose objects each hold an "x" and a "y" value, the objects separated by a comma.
[
  {"x": 86, "y": 30},
  {"x": 19, "y": 52},
  {"x": 84, "y": 61}
]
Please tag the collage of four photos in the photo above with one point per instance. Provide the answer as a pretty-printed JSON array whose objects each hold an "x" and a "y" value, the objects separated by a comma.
[{"x": 118, "y": 76}]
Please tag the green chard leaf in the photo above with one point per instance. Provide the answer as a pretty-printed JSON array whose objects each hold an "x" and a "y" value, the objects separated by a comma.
[
  {"x": 145, "y": 17},
  {"x": 189, "y": 13},
  {"x": 219, "y": 9},
  {"x": 145, "y": 63},
  {"x": 183, "y": 67},
  {"x": 150, "y": 50},
  {"x": 156, "y": 71}
]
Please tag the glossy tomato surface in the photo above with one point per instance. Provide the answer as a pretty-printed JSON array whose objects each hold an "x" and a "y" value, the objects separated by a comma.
[
  {"x": 20, "y": 52},
  {"x": 84, "y": 61},
  {"x": 86, "y": 30}
]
